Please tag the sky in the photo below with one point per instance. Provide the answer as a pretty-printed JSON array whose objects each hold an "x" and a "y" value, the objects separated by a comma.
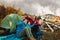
[{"x": 35, "y": 7}]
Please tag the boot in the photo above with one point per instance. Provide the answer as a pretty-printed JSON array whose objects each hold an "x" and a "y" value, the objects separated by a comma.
[{"x": 32, "y": 39}]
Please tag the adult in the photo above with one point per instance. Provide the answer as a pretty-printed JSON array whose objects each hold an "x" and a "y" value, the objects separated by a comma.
[
  {"x": 35, "y": 29},
  {"x": 23, "y": 29}
]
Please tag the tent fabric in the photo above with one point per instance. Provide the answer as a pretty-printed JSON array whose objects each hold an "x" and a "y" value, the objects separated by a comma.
[
  {"x": 9, "y": 22},
  {"x": 10, "y": 37}
]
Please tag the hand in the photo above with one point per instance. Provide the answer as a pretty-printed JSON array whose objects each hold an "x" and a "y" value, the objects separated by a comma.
[{"x": 35, "y": 22}]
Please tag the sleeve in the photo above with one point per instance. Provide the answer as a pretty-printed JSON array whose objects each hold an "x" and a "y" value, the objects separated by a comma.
[
  {"x": 37, "y": 23},
  {"x": 32, "y": 25},
  {"x": 27, "y": 17},
  {"x": 18, "y": 23}
]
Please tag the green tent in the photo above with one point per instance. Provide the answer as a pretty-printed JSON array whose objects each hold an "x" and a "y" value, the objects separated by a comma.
[{"x": 9, "y": 22}]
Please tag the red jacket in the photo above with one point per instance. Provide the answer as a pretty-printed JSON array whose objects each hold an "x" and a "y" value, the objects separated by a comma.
[
  {"x": 33, "y": 21},
  {"x": 37, "y": 22}
]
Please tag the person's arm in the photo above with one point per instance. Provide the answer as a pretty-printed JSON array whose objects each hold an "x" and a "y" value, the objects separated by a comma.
[
  {"x": 37, "y": 23},
  {"x": 18, "y": 28},
  {"x": 18, "y": 23},
  {"x": 27, "y": 17},
  {"x": 32, "y": 25}
]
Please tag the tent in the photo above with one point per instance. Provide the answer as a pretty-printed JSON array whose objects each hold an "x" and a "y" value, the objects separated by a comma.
[{"x": 9, "y": 22}]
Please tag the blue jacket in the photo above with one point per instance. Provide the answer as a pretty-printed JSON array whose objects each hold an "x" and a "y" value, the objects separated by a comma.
[
  {"x": 30, "y": 25},
  {"x": 20, "y": 26}
]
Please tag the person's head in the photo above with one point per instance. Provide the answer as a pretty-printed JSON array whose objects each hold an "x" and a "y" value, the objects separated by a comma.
[
  {"x": 28, "y": 22},
  {"x": 25, "y": 21},
  {"x": 32, "y": 16}
]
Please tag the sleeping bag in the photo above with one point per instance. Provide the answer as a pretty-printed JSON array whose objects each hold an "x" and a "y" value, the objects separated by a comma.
[{"x": 10, "y": 37}]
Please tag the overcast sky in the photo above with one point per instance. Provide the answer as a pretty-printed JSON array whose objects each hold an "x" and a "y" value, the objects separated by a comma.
[{"x": 37, "y": 7}]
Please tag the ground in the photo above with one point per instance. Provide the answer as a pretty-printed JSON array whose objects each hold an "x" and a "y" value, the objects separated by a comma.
[{"x": 51, "y": 36}]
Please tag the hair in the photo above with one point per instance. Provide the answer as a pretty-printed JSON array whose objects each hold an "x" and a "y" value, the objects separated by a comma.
[
  {"x": 27, "y": 20},
  {"x": 24, "y": 19}
]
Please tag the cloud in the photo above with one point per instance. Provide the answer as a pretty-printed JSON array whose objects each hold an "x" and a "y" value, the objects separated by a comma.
[
  {"x": 37, "y": 7},
  {"x": 58, "y": 12}
]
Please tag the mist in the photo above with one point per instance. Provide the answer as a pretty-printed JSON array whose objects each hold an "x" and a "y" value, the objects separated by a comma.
[{"x": 35, "y": 7}]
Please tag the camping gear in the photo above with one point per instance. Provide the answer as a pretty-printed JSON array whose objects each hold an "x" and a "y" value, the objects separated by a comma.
[
  {"x": 10, "y": 37},
  {"x": 9, "y": 22},
  {"x": 49, "y": 27}
]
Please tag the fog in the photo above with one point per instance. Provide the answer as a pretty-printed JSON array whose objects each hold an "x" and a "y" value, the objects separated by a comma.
[{"x": 35, "y": 7}]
